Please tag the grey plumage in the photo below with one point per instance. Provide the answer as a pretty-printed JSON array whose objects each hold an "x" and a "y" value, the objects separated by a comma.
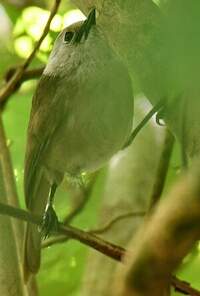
[{"x": 81, "y": 115}]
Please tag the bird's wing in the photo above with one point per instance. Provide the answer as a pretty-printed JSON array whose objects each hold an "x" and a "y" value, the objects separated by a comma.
[
  {"x": 49, "y": 105},
  {"x": 47, "y": 111}
]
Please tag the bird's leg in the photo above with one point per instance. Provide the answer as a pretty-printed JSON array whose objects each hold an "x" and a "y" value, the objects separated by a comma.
[{"x": 50, "y": 220}]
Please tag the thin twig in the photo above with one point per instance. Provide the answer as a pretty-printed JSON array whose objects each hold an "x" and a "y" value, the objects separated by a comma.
[
  {"x": 54, "y": 240},
  {"x": 162, "y": 168},
  {"x": 110, "y": 224},
  {"x": 32, "y": 73},
  {"x": 10, "y": 86},
  {"x": 144, "y": 121},
  {"x": 109, "y": 249},
  {"x": 113, "y": 251},
  {"x": 183, "y": 287},
  {"x": 63, "y": 239},
  {"x": 45, "y": 32},
  {"x": 27, "y": 75}
]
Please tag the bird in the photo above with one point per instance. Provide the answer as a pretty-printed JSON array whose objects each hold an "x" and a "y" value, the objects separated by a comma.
[{"x": 81, "y": 115}]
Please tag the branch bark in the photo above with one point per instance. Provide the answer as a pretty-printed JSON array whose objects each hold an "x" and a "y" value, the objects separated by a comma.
[
  {"x": 109, "y": 249},
  {"x": 158, "y": 253},
  {"x": 113, "y": 251}
]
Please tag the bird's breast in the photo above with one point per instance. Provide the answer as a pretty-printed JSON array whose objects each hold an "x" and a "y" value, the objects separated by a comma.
[{"x": 98, "y": 120}]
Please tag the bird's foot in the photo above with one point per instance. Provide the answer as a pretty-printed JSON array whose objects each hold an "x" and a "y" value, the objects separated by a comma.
[{"x": 49, "y": 223}]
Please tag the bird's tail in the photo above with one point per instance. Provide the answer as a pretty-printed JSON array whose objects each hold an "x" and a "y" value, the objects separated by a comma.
[
  {"x": 32, "y": 246},
  {"x": 31, "y": 251}
]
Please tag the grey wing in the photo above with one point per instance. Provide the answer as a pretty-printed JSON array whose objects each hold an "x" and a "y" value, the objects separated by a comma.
[{"x": 47, "y": 111}]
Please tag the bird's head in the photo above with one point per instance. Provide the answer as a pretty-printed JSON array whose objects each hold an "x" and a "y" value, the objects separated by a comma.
[
  {"x": 67, "y": 43},
  {"x": 79, "y": 32}
]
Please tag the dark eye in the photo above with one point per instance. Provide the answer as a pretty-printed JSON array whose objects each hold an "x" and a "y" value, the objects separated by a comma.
[{"x": 68, "y": 36}]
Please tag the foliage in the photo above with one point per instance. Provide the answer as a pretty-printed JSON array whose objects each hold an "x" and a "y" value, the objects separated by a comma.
[{"x": 63, "y": 265}]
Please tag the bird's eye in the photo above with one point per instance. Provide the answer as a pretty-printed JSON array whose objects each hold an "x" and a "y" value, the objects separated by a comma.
[{"x": 68, "y": 36}]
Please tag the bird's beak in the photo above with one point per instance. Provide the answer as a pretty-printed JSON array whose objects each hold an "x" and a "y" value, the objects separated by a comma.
[{"x": 85, "y": 28}]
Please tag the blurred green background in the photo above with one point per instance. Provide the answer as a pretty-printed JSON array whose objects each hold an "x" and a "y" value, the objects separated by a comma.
[{"x": 62, "y": 265}]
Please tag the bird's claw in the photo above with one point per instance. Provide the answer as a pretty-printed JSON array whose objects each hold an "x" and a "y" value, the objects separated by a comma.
[{"x": 49, "y": 222}]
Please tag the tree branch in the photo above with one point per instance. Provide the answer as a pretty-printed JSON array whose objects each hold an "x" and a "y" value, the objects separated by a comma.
[
  {"x": 113, "y": 251},
  {"x": 10, "y": 86},
  {"x": 111, "y": 223},
  {"x": 144, "y": 121},
  {"x": 62, "y": 239},
  {"x": 183, "y": 287},
  {"x": 27, "y": 75},
  {"x": 158, "y": 253},
  {"x": 84, "y": 237}
]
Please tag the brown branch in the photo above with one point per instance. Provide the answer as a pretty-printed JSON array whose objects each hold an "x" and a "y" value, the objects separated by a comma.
[
  {"x": 109, "y": 249},
  {"x": 113, "y": 251},
  {"x": 32, "y": 74},
  {"x": 62, "y": 239},
  {"x": 27, "y": 75},
  {"x": 162, "y": 168},
  {"x": 183, "y": 287},
  {"x": 158, "y": 253},
  {"x": 10, "y": 86}
]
